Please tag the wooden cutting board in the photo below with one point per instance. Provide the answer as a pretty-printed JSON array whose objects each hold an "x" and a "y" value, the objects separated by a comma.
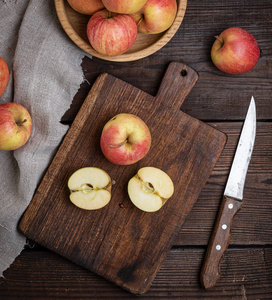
[{"x": 120, "y": 242}]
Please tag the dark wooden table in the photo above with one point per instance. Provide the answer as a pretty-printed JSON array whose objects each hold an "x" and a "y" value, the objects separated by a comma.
[{"x": 221, "y": 100}]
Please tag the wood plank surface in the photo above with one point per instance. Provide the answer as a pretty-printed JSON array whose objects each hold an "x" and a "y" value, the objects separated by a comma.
[
  {"x": 217, "y": 98},
  {"x": 250, "y": 227},
  {"x": 39, "y": 274},
  {"x": 246, "y": 273},
  {"x": 113, "y": 242}
]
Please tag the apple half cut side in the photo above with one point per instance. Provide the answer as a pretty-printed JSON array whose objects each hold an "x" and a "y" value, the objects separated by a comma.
[
  {"x": 90, "y": 188},
  {"x": 150, "y": 188}
]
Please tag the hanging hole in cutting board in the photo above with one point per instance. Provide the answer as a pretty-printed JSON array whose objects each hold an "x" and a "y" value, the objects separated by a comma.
[{"x": 183, "y": 73}]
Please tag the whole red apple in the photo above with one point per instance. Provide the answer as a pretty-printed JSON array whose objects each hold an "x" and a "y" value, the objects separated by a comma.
[
  {"x": 4, "y": 76},
  {"x": 235, "y": 51},
  {"x": 125, "y": 139},
  {"x": 86, "y": 7},
  {"x": 156, "y": 16},
  {"x": 124, "y": 6},
  {"x": 111, "y": 34},
  {"x": 15, "y": 126}
]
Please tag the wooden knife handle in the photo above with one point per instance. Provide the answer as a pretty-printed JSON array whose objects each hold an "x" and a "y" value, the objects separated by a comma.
[{"x": 219, "y": 242}]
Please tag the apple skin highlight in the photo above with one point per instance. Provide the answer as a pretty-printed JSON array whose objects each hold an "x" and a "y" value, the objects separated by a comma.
[
  {"x": 124, "y": 6},
  {"x": 111, "y": 34},
  {"x": 15, "y": 126},
  {"x": 125, "y": 139},
  {"x": 235, "y": 51},
  {"x": 4, "y": 76},
  {"x": 156, "y": 16},
  {"x": 86, "y": 7}
]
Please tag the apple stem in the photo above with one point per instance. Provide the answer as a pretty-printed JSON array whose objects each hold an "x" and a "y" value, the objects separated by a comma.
[
  {"x": 109, "y": 15},
  {"x": 217, "y": 37},
  {"x": 111, "y": 183},
  {"x": 140, "y": 21},
  {"x": 118, "y": 145},
  {"x": 20, "y": 123}
]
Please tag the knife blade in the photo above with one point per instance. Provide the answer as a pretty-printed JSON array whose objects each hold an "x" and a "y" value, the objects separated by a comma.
[{"x": 231, "y": 202}]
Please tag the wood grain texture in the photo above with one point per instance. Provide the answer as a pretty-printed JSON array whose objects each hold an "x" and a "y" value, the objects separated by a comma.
[
  {"x": 41, "y": 274},
  {"x": 75, "y": 24},
  {"x": 217, "y": 96},
  {"x": 126, "y": 246},
  {"x": 250, "y": 227},
  {"x": 245, "y": 272}
]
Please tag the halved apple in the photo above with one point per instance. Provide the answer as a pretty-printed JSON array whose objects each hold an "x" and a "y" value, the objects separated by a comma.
[
  {"x": 150, "y": 188},
  {"x": 90, "y": 188}
]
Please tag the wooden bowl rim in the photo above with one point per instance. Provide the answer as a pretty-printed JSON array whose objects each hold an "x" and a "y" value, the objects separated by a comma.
[{"x": 157, "y": 45}]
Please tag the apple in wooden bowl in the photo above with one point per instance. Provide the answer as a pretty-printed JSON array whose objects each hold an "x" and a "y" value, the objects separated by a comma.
[{"x": 75, "y": 24}]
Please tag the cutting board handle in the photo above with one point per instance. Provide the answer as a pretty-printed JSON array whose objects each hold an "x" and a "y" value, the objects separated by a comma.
[{"x": 176, "y": 84}]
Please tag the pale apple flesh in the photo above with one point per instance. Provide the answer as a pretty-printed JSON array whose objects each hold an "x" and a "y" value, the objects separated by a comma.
[
  {"x": 125, "y": 139},
  {"x": 86, "y": 7},
  {"x": 90, "y": 188},
  {"x": 15, "y": 126},
  {"x": 124, "y": 6},
  {"x": 150, "y": 188},
  {"x": 156, "y": 16}
]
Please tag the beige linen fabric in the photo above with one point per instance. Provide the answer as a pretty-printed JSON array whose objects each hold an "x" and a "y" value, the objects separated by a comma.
[{"x": 45, "y": 75}]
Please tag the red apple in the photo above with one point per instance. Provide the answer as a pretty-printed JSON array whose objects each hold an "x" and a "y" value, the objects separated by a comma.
[
  {"x": 111, "y": 34},
  {"x": 15, "y": 126},
  {"x": 124, "y": 6},
  {"x": 235, "y": 51},
  {"x": 125, "y": 139},
  {"x": 86, "y": 7},
  {"x": 156, "y": 16},
  {"x": 4, "y": 76}
]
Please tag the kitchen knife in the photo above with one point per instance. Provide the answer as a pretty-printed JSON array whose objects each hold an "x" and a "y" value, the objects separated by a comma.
[{"x": 231, "y": 202}]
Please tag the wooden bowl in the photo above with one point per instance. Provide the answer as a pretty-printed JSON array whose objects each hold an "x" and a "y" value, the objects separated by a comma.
[{"x": 75, "y": 25}]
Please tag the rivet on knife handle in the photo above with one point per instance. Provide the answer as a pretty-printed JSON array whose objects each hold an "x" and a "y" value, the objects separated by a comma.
[{"x": 219, "y": 242}]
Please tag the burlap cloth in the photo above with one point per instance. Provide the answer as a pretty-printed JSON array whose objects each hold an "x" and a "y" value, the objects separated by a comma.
[{"x": 45, "y": 75}]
